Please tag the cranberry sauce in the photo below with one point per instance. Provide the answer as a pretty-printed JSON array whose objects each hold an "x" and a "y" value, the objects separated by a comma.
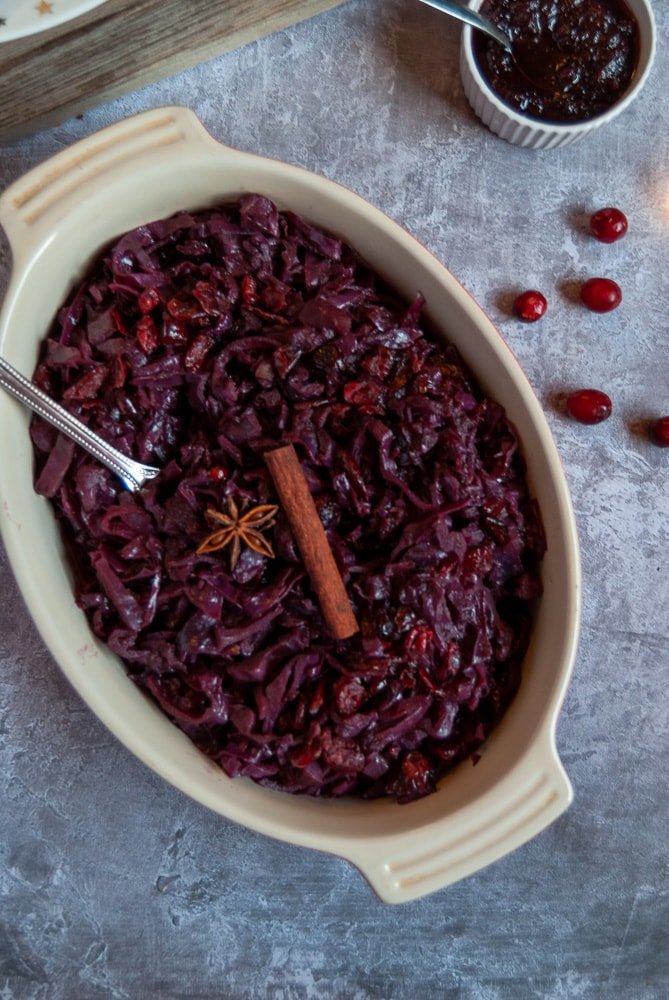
[{"x": 574, "y": 58}]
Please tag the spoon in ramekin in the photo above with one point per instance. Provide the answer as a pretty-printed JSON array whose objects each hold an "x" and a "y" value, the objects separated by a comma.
[{"x": 537, "y": 59}]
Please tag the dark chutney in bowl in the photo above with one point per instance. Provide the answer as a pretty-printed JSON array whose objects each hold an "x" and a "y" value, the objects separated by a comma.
[{"x": 575, "y": 58}]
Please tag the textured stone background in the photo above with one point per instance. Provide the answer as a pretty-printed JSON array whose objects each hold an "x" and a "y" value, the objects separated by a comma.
[{"x": 112, "y": 884}]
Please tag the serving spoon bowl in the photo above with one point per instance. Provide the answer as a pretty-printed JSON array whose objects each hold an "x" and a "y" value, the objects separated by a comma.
[{"x": 132, "y": 474}]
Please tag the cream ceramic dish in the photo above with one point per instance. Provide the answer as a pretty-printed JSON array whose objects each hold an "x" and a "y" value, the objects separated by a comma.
[
  {"x": 521, "y": 130},
  {"x": 56, "y": 218}
]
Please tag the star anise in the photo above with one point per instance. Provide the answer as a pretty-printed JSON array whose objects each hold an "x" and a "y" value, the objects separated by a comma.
[{"x": 237, "y": 527}]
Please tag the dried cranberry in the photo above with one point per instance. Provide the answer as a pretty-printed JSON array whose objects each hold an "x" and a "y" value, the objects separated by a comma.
[
  {"x": 175, "y": 332},
  {"x": 302, "y": 757},
  {"x": 530, "y": 305},
  {"x": 659, "y": 432},
  {"x": 601, "y": 294},
  {"x": 608, "y": 225},
  {"x": 363, "y": 393},
  {"x": 416, "y": 777},
  {"x": 478, "y": 560},
  {"x": 217, "y": 473},
  {"x": 147, "y": 334},
  {"x": 197, "y": 352},
  {"x": 187, "y": 312},
  {"x": 148, "y": 300},
  {"x": 379, "y": 363},
  {"x": 88, "y": 386},
  {"x": 589, "y": 406},
  {"x": 418, "y": 640},
  {"x": 343, "y": 754},
  {"x": 118, "y": 321},
  {"x": 249, "y": 290},
  {"x": 211, "y": 299},
  {"x": 285, "y": 358},
  {"x": 349, "y": 695}
]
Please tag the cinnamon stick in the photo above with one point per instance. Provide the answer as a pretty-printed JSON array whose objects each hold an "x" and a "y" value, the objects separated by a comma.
[{"x": 307, "y": 528}]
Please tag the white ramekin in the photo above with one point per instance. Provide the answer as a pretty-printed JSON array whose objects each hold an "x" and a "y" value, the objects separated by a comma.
[
  {"x": 532, "y": 133},
  {"x": 57, "y": 218}
]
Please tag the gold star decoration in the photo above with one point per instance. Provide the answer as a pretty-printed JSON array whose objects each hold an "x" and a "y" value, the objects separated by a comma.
[
  {"x": 44, "y": 7},
  {"x": 237, "y": 527}
]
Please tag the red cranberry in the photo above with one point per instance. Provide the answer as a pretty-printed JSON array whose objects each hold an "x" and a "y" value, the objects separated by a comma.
[
  {"x": 218, "y": 473},
  {"x": 601, "y": 294},
  {"x": 148, "y": 300},
  {"x": 589, "y": 406},
  {"x": 659, "y": 432},
  {"x": 608, "y": 224},
  {"x": 530, "y": 306},
  {"x": 147, "y": 334}
]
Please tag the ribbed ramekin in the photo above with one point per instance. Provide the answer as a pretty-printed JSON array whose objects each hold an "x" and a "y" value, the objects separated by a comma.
[{"x": 533, "y": 133}]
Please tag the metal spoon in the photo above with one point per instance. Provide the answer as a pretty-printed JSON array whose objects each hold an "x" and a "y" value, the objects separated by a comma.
[
  {"x": 472, "y": 17},
  {"x": 132, "y": 474},
  {"x": 537, "y": 58}
]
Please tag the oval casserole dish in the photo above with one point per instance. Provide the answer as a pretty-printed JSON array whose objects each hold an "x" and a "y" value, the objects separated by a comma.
[{"x": 57, "y": 218}]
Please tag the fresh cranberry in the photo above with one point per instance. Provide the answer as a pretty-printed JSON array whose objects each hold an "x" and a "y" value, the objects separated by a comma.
[
  {"x": 530, "y": 306},
  {"x": 589, "y": 406},
  {"x": 608, "y": 225},
  {"x": 659, "y": 432},
  {"x": 601, "y": 294}
]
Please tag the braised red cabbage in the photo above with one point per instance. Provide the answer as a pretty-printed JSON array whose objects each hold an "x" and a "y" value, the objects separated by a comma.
[{"x": 197, "y": 342}]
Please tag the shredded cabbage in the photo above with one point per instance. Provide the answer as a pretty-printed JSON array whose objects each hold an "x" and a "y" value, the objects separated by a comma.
[{"x": 196, "y": 343}]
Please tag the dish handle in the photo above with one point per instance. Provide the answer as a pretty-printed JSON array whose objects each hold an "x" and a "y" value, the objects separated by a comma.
[
  {"x": 425, "y": 861},
  {"x": 32, "y": 206}
]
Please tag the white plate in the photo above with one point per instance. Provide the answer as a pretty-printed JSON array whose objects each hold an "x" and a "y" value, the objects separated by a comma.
[{"x": 19, "y": 18}]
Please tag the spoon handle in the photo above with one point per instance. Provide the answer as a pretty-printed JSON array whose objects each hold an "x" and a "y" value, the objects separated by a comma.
[
  {"x": 471, "y": 17},
  {"x": 132, "y": 474}
]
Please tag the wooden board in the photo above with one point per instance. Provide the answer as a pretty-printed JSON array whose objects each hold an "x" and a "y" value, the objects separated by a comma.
[{"x": 123, "y": 45}]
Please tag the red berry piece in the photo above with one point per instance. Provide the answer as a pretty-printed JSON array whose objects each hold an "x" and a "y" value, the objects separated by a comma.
[
  {"x": 601, "y": 294},
  {"x": 589, "y": 406},
  {"x": 147, "y": 335},
  {"x": 218, "y": 473},
  {"x": 148, "y": 300},
  {"x": 608, "y": 225},
  {"x": 659, "y": 432},
  {"x": 530, "y": 306}
]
